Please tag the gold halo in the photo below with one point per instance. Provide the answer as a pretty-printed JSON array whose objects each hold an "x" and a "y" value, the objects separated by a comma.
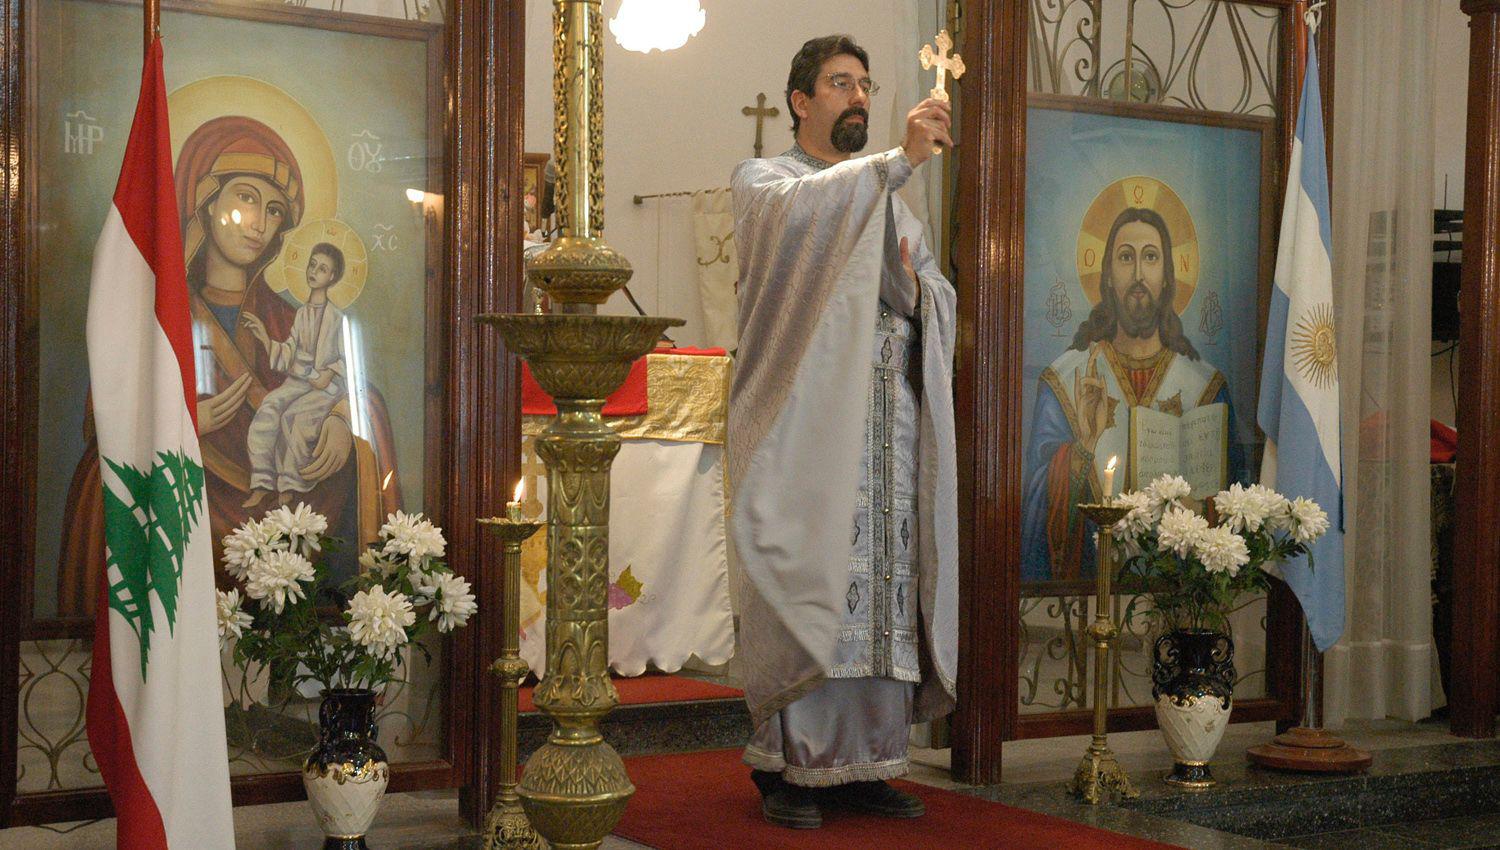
[
  {"x": 289, "y": 271},
  {"x": 197, "y": 103},
  {"x": 1153, "y": 194}
]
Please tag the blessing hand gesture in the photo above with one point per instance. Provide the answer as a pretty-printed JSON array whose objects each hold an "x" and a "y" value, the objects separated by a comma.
[
  {"x": 1096, "y": 410},
  {"x": 257, "y": 328}
]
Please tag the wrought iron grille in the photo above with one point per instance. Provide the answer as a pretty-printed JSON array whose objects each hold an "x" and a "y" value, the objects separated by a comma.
[
  {"x": 1212, "y": 55},
  {"x": 266, "y": 735}
]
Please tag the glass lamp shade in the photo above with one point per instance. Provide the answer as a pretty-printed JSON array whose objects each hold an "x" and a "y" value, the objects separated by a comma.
[{"x": 647, "y": 25}]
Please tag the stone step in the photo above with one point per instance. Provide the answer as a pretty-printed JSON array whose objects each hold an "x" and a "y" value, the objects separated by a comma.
[
  {"x": 667, "y": 727},
  {"x": 1404, "y": 784}
]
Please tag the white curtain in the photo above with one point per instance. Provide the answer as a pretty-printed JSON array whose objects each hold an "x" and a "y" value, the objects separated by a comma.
[{"x": 1386, "y": 54}]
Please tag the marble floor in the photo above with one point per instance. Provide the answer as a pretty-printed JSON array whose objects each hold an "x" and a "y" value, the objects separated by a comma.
[
  {"x": 1034, "y": 773},
  {"x": 1445, "y": 833}
]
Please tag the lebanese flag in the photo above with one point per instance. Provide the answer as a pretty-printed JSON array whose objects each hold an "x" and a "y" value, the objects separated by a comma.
[{"x": 155, "y": 714}]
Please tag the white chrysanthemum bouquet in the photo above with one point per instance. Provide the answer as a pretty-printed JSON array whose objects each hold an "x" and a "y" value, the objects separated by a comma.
[
  {"x": 284, "y": 620},
  {"x": 1193, "y": 570}
]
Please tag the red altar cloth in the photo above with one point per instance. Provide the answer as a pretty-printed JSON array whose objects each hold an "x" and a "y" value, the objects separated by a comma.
[{"x": 628, "y": 400}]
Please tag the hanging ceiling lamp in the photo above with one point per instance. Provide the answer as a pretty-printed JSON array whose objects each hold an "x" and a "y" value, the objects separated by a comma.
[{"x": 647, "y": 25}]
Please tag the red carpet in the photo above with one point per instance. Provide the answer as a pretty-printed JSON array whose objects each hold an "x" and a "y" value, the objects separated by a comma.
[
  {"x": 652, "y": 688},
  {"x": 704, "y": 801}
]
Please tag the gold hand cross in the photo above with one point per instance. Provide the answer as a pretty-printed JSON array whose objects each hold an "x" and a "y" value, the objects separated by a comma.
[{"x": 944, "y": 63}]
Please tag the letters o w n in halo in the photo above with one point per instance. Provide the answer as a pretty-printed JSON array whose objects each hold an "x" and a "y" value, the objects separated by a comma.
[{"x": 1315, "y": 347}]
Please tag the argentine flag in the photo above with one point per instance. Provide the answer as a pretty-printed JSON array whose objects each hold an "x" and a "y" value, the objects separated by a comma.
[{"x": 1299, "y": 383}]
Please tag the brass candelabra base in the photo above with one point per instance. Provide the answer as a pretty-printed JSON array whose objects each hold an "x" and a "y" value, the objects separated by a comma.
[
  {"x": 506, "y": 828},
  {"x": 1100, "y": 777}
]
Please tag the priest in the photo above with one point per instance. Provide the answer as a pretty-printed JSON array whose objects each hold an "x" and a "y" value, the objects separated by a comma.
[{"x": 841, "y": 448}]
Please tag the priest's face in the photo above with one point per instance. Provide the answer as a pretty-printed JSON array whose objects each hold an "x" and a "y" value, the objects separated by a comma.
[
  {"x": 1137, "y": 275},
  {"x": 838, "y": 112}
]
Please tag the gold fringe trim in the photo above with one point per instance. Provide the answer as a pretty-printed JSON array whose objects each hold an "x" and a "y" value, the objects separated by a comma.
[{"x": 825, "y": 777}]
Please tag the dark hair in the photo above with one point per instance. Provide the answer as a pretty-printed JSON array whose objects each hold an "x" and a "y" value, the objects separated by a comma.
[
  {"x": 334, "y": 255},
  {"x": 809, "y": 61},
  {"x": 1103, "y": 319}
]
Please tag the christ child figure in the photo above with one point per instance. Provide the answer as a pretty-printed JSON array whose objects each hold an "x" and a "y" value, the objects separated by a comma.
[{"x": 283, "y": 435}]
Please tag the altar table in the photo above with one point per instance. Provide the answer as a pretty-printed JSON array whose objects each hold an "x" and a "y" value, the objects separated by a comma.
[{"x": 669, "y": 573}]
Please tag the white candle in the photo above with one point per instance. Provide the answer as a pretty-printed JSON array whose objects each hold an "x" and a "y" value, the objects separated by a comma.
[
  {"x": 1109, "y": 477},
  {"x": 513, "y": 507}
]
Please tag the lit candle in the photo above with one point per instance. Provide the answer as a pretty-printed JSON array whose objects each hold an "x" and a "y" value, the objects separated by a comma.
[
  {"x": 1109, "y": 477},
  {"x": 513, "y": 507}
]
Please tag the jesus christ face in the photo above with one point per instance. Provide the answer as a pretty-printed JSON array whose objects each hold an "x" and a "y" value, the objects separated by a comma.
[
  {"x": 319, "y": 271},
  {"x": 1137, "y": 275}
]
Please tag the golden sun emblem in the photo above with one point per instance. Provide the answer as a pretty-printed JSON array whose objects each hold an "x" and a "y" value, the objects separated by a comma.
[{"x": 1314, "y": 346}]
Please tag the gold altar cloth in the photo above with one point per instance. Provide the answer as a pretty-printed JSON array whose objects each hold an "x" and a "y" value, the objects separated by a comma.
[{"x": 688, "y": 398}]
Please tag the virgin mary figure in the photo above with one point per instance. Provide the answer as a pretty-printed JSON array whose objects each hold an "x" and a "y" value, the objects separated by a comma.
[{"x": 239, "y": 192}]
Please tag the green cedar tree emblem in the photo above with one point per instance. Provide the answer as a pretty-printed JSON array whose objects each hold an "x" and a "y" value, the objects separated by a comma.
[{"x": 147, "y": 537}]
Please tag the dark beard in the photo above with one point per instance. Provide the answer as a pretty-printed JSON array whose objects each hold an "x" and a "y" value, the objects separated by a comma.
[
  {"x": 1139, "y": 318},
  {"x": 848, "y": 137}
]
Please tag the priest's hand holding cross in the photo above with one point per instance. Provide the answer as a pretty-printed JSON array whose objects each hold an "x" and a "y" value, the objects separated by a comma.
[{"x": 927, "y": 126}]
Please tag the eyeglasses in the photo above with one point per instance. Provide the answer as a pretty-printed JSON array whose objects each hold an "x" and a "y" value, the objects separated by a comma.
[{"x": 846, "y": 82}]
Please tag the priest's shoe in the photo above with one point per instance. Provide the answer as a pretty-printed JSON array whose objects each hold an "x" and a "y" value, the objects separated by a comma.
[
  {"x": 785, "y": 804},
  {"x": 876, "y": 798}
]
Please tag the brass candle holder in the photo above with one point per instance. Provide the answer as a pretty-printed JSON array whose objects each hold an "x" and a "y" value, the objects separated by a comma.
[
  {"x": 1099, "y": 774},
  {"x": 506, "y": 826},
  {"x": 575, "y": 787}
]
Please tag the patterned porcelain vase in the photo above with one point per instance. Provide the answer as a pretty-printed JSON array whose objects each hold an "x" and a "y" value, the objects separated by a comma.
[
  {"x": 347, "y": 772},
  {"x": 1192, "y": 679}
]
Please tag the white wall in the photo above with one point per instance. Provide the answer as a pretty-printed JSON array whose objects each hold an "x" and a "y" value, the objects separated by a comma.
[
  {"x": 1451, "y": 106},
  {"x": 672, "y": 121}
]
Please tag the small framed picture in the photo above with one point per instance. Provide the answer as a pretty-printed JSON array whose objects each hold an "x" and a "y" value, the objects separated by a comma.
[{"x": 536, "y": 201}]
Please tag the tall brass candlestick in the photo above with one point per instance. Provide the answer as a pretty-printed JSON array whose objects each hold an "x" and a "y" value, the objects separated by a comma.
[
  {"x": 1099, "y": 773},
  {"x": 575, "y": 787},
  {"x": 506, "y": 827}
]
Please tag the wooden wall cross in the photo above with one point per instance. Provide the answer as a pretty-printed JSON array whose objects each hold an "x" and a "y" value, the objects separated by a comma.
[{"x": 761, "y": 113}]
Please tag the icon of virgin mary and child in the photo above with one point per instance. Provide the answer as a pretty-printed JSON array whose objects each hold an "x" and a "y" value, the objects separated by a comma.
[{"x": 278, "y": 418}]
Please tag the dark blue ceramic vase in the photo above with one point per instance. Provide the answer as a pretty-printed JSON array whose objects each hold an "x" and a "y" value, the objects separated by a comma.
[{"x": 347, "y": 772}]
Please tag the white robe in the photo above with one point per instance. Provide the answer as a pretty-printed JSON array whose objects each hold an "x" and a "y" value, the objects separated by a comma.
[
  {"x": 818, "y": 250},
  {"x": 287, "y": 424},
  {"x": 854, "y": 726}
]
